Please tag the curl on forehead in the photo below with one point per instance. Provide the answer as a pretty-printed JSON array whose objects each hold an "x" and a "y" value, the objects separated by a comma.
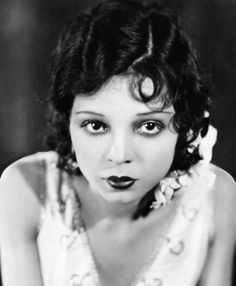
[{"x": 154, "y": 92}]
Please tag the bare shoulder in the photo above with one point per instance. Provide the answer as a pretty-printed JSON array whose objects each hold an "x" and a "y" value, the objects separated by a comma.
[
  {"x": 225, "y": 186},
  {"x": 222, "y": 175},
  {"x": 225, "y": 202},
  {"x": 217, "y": 270},
  {"x": 21, "y": 185},
  {"x": 26, "y": 173}
]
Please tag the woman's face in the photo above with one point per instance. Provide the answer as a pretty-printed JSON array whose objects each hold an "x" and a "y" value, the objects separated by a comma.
[{"x": 122, "y": 147}]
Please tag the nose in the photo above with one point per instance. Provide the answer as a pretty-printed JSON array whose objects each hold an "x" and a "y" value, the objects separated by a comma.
[{"x": 120, "y": 151}]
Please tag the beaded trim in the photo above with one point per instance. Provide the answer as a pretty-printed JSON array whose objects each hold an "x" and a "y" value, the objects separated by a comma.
[
  {"x": 80, "y": 227},
  {"x": 172, "y": 184}
]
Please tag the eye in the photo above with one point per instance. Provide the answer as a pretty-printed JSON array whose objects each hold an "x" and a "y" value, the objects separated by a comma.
[
  {"x": 94, "y": 127},
  {"x": 150, "y": 128}
]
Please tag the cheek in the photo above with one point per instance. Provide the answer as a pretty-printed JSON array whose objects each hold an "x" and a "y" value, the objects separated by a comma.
[
  {"x": 84, "y": 152},
  {"x": 159, "y": 155},
  {"x": 87, "y": 153}
]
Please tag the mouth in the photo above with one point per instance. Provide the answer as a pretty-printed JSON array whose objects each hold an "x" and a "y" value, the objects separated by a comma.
[{"x": 120, "y": 183}]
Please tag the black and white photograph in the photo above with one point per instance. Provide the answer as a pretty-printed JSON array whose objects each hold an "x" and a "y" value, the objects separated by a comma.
[{"x": 117, "y": 143}]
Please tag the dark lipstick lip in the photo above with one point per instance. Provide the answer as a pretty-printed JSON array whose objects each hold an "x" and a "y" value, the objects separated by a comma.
[{"x": 120, "y": 183}]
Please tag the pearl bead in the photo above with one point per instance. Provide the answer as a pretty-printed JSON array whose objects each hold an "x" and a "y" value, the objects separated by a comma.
[
  {"x": 189, "y": 213},
  {"x": 75, "y": 280},
  {"x": 175, "y": 248}
]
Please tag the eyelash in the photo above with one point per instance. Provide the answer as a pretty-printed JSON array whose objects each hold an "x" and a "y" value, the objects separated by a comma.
[
  {"x": 156, "y": 124},
  {"x": 88, "y": 124}
]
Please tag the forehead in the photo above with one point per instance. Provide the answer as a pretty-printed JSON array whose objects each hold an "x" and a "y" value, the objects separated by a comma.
[{"x": 114, "y": 96}]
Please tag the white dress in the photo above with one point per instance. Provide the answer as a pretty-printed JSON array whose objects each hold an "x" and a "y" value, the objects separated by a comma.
[{"x": 65, "y": 255}]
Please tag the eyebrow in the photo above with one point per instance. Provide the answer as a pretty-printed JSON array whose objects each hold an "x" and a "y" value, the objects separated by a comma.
[
  {"x": 154, "y": 112},
  {"x": 89, "y": 112},
  {"x": 138, "y": 114}
]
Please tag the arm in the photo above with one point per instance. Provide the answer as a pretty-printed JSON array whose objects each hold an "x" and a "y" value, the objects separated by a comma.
[
  {"x": 19, "y": 217},
  {"x": 218, "y": 268}
]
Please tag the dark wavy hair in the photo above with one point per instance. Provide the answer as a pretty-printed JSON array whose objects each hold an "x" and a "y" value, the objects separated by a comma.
[{"x": 128, "y": 38}]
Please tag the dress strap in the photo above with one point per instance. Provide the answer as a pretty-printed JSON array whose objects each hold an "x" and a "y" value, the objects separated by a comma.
[
  {"x": 58, "y": 189},
  {"x": 54, "y": 203}
]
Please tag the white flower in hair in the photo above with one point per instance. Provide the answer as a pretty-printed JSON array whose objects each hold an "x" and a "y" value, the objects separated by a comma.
[
  {"x": 195, "y": 143},
  {"x": 206, "y": 144}
]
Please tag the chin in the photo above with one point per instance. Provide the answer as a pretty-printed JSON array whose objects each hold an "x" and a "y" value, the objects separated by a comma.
[{"x": 127, "y": 197}]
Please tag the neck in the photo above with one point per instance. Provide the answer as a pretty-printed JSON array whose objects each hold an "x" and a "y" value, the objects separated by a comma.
[
  {"x": 120, "y": 210},
  {"x": 96, "y": 208}
]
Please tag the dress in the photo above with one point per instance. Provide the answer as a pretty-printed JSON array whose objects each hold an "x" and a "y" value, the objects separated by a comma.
[{"x": 65, "y": 255}]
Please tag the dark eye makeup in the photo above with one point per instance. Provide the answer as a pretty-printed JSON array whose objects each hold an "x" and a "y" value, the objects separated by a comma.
[
  {"x": 150, "y": 128},
  {"x": 146, "y": 128},
  {"x": 94, "y": 127}
]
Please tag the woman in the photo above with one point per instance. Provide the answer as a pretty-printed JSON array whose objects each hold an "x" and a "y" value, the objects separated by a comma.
[{"x": 127, "y": 194}]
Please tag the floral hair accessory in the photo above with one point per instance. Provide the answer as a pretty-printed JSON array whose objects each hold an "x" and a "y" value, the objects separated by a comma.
[
  {"x": 206, "y": 144},
  {"x": 193, "y": 144}
]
